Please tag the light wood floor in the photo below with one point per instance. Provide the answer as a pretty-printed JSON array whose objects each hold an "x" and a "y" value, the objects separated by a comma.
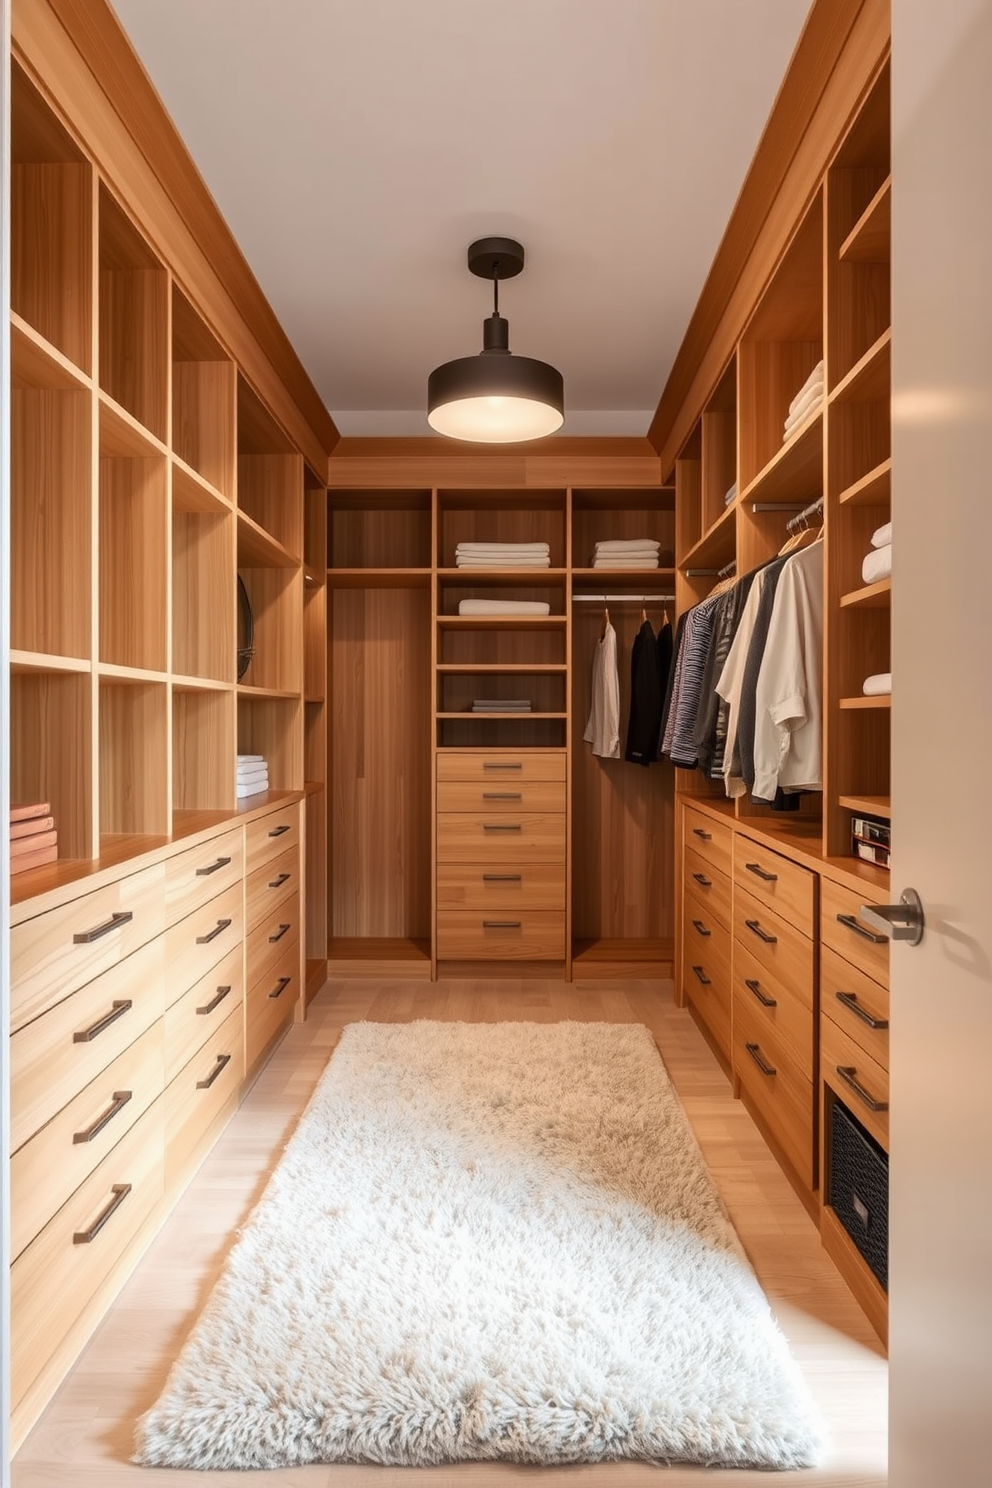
[{"x": 83, "y": 1440}]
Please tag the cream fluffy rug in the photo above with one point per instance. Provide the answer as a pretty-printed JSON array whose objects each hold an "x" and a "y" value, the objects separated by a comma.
[{"x": 486, "y": 1241}]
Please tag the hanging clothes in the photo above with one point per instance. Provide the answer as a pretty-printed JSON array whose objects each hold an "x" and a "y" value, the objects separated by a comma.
[
  {"x": 711, "y": 720},
  {"x": 752, "y": 666},
  {"x": 646, "y": 699},
  {"x": 681, "y": 747},
  {"x": 788, "y": 736},
  {"x": 603, "y": 726},
  {"x": 674, "y": 672},
  {"x": 730, "y": 682}
]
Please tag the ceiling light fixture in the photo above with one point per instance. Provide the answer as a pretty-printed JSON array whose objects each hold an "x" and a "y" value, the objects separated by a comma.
[{"x": 495, "y": 397}]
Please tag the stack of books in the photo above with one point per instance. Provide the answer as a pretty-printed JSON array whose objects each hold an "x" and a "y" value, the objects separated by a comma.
[
  {"x": 501, "y": 705},
  {"x": 33, "y": 838},
  {"x": 252, "y": 775}
]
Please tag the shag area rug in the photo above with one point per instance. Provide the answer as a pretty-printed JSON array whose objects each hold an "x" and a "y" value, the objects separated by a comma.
[{"x": 486, "y": 1241}]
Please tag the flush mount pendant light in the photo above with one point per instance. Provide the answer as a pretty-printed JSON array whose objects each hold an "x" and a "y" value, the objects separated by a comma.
[{"x": 495, "y": 397}]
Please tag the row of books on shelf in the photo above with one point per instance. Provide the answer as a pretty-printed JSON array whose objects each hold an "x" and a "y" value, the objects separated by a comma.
[{"x": 34, "y": 839}]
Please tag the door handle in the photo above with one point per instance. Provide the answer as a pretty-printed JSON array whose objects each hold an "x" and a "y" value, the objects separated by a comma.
[
  {"x": 707, "y": 883},
  {"x": 703, "y": 836},
  {"x": 702, "y": 976},
  {"x": 902, "y": 921},
  {"x": 755, "y": 1052}
]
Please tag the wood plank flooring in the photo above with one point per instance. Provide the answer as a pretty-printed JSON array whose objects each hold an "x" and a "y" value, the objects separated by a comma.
[{"x": 83, "y": 1439}]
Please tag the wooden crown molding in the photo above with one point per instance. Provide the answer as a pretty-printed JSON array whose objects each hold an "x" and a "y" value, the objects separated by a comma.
[{"x": 433, "y": 461}]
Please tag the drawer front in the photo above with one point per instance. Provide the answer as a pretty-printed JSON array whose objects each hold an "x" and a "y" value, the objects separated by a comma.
[
  {"x": 268, "y": 941},
  {"x": 776, "y": 1086},
  {"x": 518, "y": 935},
  {"x": 775, "y": 944},
  {"x": 776, "y": 1007},
  {"x": 200, "y": 1011},
  {"x": 498, "y": 837},
  {"x": 49, "y": 1168},
  {"x": 270, "y": 885},
  {"x": 843, "y": 932},
  {"x": 477, "y": 886},
  {"x": 857, "y": 1003},
  {"x": 710, "y": 887},
  {"x": 201, "y": 940},
  {"x": 864, "y": 1085},
  {"x": 53, "y": 1280},
  {"x": 706, "y": 972},
  {"x": 201, "y": 873},
  {"x": 269, "y": 836},
  {"x": 53, "y": 954},
  {"x": 777, "y": 882},
  {"x": 501, "y": 795},
  {"x": 711, "y": 839},
  {"x": 199, "y": 1093},
  {"x": 270, "y": 1002},
  {"x": 501, "y": 765},
  {"x": 56, "y": 1056}
]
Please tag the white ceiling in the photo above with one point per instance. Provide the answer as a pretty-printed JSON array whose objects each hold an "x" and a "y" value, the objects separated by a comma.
[{"x": 356, "y": 147}]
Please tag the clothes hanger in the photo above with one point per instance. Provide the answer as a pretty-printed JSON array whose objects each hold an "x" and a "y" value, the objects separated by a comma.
[
  {"x": 644, "y": 613},
  {"x": 606, "y": 621}
]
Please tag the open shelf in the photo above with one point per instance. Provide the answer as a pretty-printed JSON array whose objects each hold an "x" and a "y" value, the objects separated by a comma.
[
  {"x": 502, "y": 622},
  {"x": 344, "y": 950},
  {"x": 869, "y": 380},
  {"x": 470, "y": 717},
  {"x": 36, "y": 363},
  {"x": 717, "y": 546},
  {"x": 203, "y": 398},
  {"x": 871, "y": 805},
  {"x": 272, "y": 727},
  {"x": 203, "y": 628},
  {"x": 869, "y": 240},
  {"x": 276, "y": 599},
  {"x": 191, "y": 493},
  {"x": 873, "y": 489},
  {"x": 203, "y": 727},
  {"x": 258, "y": 549},
  {"x": 590, "y": 577},
  {"x": 795, "y": 473},
  {"x": 134, "y": 544},
  {"x": 873, "y": 596},
  {"x": 858, "y": 703},
  {"x": 134, "y": 758},
  {"x": 50, "y": 741},
  {"x": 497, "y": 668},
  {"x": 505, "y": 516},
  {"x": 383, "y": 529},
  {"x": 501, "y": 576},
  {"x": 609, "y": 515},
  {"x": 39, "y": 661},
  {"x": 270, "y": 475},
  {"x": 134, "y": 318}
]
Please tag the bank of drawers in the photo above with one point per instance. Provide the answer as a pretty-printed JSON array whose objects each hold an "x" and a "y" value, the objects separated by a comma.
[
  {"x": 854, "y": 1009},
  {"x": 501, "y": 855},
  {"x": 273, "y": 929},
  {"x": 706, "y": 923}
]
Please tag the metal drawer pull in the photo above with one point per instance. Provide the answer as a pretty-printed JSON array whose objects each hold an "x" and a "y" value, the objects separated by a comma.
[
  {"x": 120, "y": 1192},
  {"x": 852, "y": 924},
  {"x": 118, "y": 1008},
  {"x": 223, "y": 1060},
  {"x": 279, "y": 988},
  {"x": 277, "y": 883},
  {"x": 703, "y": 836},
  {"x": 215, "y": 1001},
  {"x": 501, "y": 924},
  {"x": 502, "y": 795},
  {"x": 846, "y": 1072},
  {"x": 87, "y": 937},
  {"x": 850, "y": 1001},
  {"x": 502, "y": 878},
  {"x": 701, "y": 878},
  {"x": 755, "y": 927},
  {"x": 702, "y": 976},
  {"x": 755, "y": 987},
  {"x": 213, "y": 934},
  {"x": 759, "y": 872},
  {"x": 754, "y": 1051},
  {"x": 487, "y": 766},
  {"x": 278, "y": 831},
  {"x": 278, "y": 935},
  {"x": 121, "y": 1098},
  {"x": 702, "y": 928},
  {"x": 502, "y": 826},
  {"x": 220, "y": 863}
]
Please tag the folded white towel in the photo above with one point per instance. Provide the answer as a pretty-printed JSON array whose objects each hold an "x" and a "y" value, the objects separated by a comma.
[
  {"x": 503, "y": 607},
  {"x": 249, "y": 789},
  {"x": 629, "y": 545},
  {"x": 877, "y": 565},
  {"x": 259, "y": 778},
  {"x": 810, "y": 402},
  {"x": 502, "y": 563},
  {"x": 877, "y": 686},
  {"x": 251, "y": 759},
  {"x": 814, "y": 378},
  {"x": 482, "y": 548},
  {"x": 609, "y": 562},
  {"x": 882, "y": 536},
  {"x": 251, "y": 767},
  {"x": 730, "y": 494}
]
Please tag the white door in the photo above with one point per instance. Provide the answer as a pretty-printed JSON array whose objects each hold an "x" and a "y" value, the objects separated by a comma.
[{"x": 941, "y": 1036}]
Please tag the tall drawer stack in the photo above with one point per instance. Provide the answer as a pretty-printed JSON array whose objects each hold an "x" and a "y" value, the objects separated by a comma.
[
  {"x": 774, "y": 996},
  {"x": 501, "y": 855},
  {"x": 706, "y": 923},
  {"x": 273, "y": 970}
]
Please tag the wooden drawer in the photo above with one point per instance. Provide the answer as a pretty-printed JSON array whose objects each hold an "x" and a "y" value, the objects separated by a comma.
[
  {"x": 49, "y": 1168},
  {"x": 711, "y": 839},
  {"x": 524, "y": 935},
  {"x": 776, "y": 1006},
  {"x": 53, "y": 1280},
  {"x": 501, "y": 795},
  {"x": 270, "y": 1002},
  {"x": 864, "y": 1086},
  {"x": 56, "y": 952},
  {"x": 270, "y": 937},
  {"x": 856, "y": 1003},
  {"x": 777, "y": 1087},
  {"x": 56, "y": 1056},
  {"x": 777, "y": 882},
  {"x": 194, "y": 1018},
  {"x": 477, "y": 886},
  {"x": 843, "y": 932},
  {"x": 198, "y": 1095},
  {"x": 201, "y": 873},
  {"x": 775, "y": 944},
  {"x": 706, "y": 972},
  {"x": 269, "y": 836},
  {"x": 501, "y": 765},
  {"x": 473, "y": 837},
  {"x": 199, "y": 941},
  {"x": 710, "y": 887},
  {"x": 270, "y": 885}
]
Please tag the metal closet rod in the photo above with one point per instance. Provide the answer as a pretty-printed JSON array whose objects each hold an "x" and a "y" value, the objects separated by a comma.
[
  {"x": 618, "y": 599},
  {"x": 808, "y": 511}
]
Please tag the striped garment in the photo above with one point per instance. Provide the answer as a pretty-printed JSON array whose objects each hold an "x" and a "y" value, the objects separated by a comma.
[
  {"x": 711, "y": 720},
  {"x": 685, "y": 705}
]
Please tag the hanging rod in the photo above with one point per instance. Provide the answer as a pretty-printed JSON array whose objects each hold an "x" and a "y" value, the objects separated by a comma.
[
  {"x": 775, "y": 506},
  {"x": 618, "y": 599},
  {"x": 701, "y": 573},
  {"x": 728, "y": 569},
  {"x": 808, "y": 511}
]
